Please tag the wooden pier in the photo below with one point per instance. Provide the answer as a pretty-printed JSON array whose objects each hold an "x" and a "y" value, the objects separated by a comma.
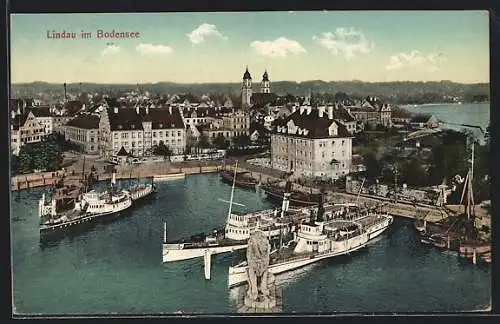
[{"x": 50, "y": 178}]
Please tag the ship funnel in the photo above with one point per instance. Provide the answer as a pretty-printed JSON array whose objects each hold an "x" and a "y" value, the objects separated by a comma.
[
  {"x": 113, "y": 178},
  {"x": 321, "y": 208},
  {"x": 286, "y": 198},
  {"x": 41, "y": 204}
]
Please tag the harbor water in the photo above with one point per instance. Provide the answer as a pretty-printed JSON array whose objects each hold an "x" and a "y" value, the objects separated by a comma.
[
  {"x": 455, "y": 114},
  {"x": 116, "y": 268}
]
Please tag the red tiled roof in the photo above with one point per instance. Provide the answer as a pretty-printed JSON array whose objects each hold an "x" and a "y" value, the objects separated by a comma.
[
  {"x": 317, "y": 126},
  {"x": 263, "y": 98},
  {"x": 339, "y": 112},
  {"x": 41, "y": 111},
  {"x": 85, "y": 121},
  {"x": 128, "y": 118},
  {"x": 73, "y": 106}
]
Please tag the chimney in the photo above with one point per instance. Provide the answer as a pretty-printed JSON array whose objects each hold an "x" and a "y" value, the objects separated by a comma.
[
  {"x": 302, "y": 109},
  {"x": 294, "y": 109},
  {"x": 321, "y": 110},
  {"x": 170, "y": 110},
  {"x": 137, "y": 109},
  {"x": 116, "y": 110},
  {"x": 147, "y": 110},
  {"x": 65, "y": 96},
  {"x": 330, "y": 112},
  {"x": 309, "y": 108},
  {"x": 13, "y": 114}
]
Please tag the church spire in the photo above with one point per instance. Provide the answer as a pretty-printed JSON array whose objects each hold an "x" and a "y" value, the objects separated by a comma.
[{"x": 247, "y": 75}]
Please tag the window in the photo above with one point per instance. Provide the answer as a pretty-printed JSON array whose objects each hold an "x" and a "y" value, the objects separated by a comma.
[
  {"x": 179, "y": 133},
  {"x": 154, "y": 142},
  {"x": 160, "y": 133},
  {"x": 154, "y": 134},
  {"x": 133, "y": 134}
]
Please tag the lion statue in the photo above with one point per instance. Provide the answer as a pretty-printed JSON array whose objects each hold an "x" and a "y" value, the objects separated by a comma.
[{"x": 258, "y": 261}]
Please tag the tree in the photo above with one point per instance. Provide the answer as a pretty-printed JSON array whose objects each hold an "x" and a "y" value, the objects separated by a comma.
[
  {"x": 220, "y": 142},
  {"x": 242, "y": 141},
  {"x": 341, "y": 96},
  {"x": 162, "y": 150},
  {"x": 373, "y": 168},
  {"x": 413, "y": 174},
  {"x": 44, "y": 155},
  {"x": 14, "y": 164},
  {"x": 203, "y": 142}
]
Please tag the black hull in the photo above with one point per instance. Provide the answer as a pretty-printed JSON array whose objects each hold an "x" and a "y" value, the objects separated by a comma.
[
  {"x": 77, "y": 227},
  {"x": 143, "y": 200},
  {"x": 228, "y": 178},
  {"x": 437, "y": 243},
  {"x": 296, "y": 199}
]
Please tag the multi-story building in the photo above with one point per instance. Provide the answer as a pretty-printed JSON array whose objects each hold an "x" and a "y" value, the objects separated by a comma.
[
  {"x": 372, "y": 111},
  {"x": 311, "y": 143},
  {"x": 84, "y": 131},
  {"x": 45, "y": 117},
  {"x": 139, "y": 129},
  {"x": 25, "y": 128},
  {"x": 230, "y": 125}
]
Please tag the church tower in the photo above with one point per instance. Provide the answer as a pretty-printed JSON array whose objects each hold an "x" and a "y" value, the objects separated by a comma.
[
  {"x": 246, "y": 90},
  {"x": 264, "y": 85}
]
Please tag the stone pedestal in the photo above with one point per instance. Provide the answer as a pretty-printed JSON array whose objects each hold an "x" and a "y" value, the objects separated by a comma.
[{"x": 268, "y": 304}]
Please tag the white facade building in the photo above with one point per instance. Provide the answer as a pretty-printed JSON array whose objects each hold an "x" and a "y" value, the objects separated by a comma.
[
  {"x": 25, "y": 128},
  {"x": 84, "y": 131},
  {"x": 139, "y": 129},
  {"x": 311, "y": 143}
]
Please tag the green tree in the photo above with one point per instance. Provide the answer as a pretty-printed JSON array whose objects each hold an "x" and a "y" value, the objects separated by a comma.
[
  {"x": 220, "y": 142},
  {"x": 14, "y": 164},
  {"x": 203, "y": 142},
  {"x": 242, "y": 141},
  {"x": 413, "y": 174},
  {"x": 44, "y": 155},
  {"x": 162, "y": 150},
  {"x": 373, "y": 168}
]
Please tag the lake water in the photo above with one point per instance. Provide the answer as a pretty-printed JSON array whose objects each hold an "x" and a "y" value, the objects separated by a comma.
[
  {"x": 117, "y": 268},
  {"x": 470, "y": 114}
]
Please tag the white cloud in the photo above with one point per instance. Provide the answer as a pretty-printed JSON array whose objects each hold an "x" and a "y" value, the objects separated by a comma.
[
  {"x": 153, "y": 49},
  {"x": 345, "y": 41},
  {"x": 279, "y": 47},
  {"x": 111, "y": 49},
  {"x": 198, "y": 35},
  {"x": 415, "y": 59}
]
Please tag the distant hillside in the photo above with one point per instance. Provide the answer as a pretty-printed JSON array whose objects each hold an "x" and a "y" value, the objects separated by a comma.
[{"x": 398, "y": 92}]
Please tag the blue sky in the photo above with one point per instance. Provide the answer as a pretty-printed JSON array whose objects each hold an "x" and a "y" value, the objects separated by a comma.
[{"x": 216, "y": 47}]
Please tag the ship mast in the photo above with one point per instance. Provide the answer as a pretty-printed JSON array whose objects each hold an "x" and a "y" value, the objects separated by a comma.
[
  {"x": 469, "y": 202},
  {"x": 232, "y": 192},
  {"x": 83, "y": 175}
]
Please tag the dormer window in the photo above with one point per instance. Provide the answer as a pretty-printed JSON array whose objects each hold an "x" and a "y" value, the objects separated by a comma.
[
  {"x": 120, "y": 126},
  {"x": 161, "y": 125},
  {"x": 132, "y": 126},
  {"x": 172, "y": 125}
]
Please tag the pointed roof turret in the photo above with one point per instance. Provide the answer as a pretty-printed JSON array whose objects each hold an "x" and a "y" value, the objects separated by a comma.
[
  {"x": 122, "y": 152},
  {"x": 265, "y": 77},
  {"x": 247, "y": 75}
]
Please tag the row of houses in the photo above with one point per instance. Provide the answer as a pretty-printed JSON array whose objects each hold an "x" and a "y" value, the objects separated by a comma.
[{"x": 103, "y": 129}]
